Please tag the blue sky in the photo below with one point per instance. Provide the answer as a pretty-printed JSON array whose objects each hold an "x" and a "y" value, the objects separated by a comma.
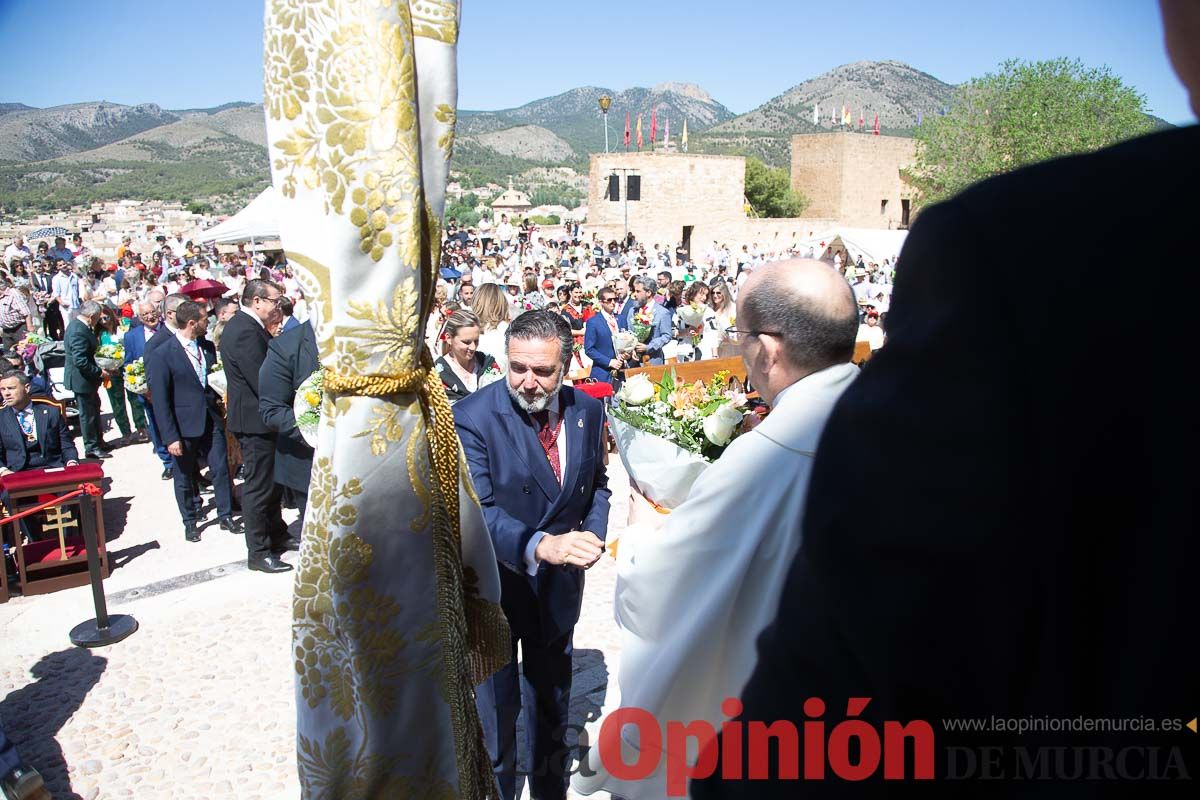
[{"x": 198, "y": 54}]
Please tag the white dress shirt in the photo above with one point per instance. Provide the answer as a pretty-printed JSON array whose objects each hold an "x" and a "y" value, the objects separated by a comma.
[{"x": 531, "y": 562}]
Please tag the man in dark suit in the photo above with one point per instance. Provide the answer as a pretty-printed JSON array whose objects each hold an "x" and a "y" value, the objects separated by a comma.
[
  {"x": 189, "y": 422},
  {"x": 136, "y": 342},
  {"x": 243, "y": 350},
  {"x": 286, "y": 307},
  {"x": 291, "y": 359},
  {"x": 547, "y": 514},
  {"x": 83, "y": 376},
  {"x": 597, "y": 339},
  {"x": 1037, "y": 542},
  {"x": 33, "y": 435}
]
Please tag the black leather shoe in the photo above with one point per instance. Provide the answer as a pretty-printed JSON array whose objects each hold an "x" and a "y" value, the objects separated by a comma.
[
  {"x": 168, "y": 474},
  {"x": 190, "y": 532},
  {"x": 271, "y": 563},
  {"x": 287, "y": 547},
  {"x": 23, "y": 783},
  {"x": 232, "y": 525},
  {"x": 98, "y": 454}
]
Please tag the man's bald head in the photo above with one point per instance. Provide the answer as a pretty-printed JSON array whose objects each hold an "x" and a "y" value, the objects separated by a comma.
[
  {"x": 1181, "y": 26},
  {"x": 809, "y": 308}
]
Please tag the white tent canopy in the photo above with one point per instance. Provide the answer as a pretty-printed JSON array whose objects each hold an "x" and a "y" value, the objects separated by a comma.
[
  {"x": 257, "y": 221},
  {"x": 872, "y": 244}
]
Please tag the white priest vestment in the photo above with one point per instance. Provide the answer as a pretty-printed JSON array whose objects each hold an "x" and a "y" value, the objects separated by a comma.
[{"x": 694, "y": 596}]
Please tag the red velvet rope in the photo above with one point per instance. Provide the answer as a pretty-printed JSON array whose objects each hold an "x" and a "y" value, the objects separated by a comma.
[{"x": 84, "y": 488}]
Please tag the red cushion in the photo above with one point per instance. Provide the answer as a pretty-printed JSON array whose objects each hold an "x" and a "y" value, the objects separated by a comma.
[
  {"x": 47, "y": 550},
  {"x": 88, "y": 471},
  {"x": 598, "y": 390}
]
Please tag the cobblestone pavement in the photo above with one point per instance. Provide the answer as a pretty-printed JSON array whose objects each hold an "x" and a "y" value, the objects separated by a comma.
[{"x": 199, "y": 702}]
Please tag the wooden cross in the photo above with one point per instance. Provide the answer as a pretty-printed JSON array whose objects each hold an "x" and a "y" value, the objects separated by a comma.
[{"x": 58, "y": 522}]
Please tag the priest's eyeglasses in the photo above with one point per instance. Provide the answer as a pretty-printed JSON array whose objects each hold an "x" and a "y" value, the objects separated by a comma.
[{"x": 731, "y": 331}]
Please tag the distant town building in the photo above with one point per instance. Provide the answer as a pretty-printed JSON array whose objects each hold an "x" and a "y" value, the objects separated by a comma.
[
  {"x": 511, "y": 202},
  {"x": 856, "y": 179}
]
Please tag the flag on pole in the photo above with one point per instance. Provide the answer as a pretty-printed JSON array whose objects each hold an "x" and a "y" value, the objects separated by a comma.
[
  {"x": 816, "y": 114},
  {"x": 833, "y": 116},
  {"x": 653, "y": 127},
  {"x": 683, "y": 140},
  {"x": 667, "y": 133},
  {"x": 639, "y": 133},
  {"x": 626, "y": 130},
  {"x": 847, "y": 120},
  {"x": 919, "y": 117},
  {"x": 861, "y": 121},
  {"x": 876, "y": 131}
]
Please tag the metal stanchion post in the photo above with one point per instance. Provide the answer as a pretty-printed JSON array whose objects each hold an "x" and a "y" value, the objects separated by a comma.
[{"x": 103, "y": 630}]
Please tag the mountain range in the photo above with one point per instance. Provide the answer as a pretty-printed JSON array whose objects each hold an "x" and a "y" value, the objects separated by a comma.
[{"x": 78, "y": 153}]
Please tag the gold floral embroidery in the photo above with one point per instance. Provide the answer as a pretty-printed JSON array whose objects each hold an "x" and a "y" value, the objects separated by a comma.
[
  {"x": 435, "y": 19},
  {"x": 447, "y": 116},
  {"x": 418, "y": 468},
  {"x": 391, "y": 332},
  {"x": 355, "y": 140},
  {"x": 285, "y": 63}
]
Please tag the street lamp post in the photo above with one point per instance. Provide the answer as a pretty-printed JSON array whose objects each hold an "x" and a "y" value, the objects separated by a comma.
[{"x": 605, "y": 101}]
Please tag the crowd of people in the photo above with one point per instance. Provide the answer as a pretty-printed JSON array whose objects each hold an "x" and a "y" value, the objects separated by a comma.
[
  {"x": 104, "y": 324},
  {"x": 679, "y": 307}
]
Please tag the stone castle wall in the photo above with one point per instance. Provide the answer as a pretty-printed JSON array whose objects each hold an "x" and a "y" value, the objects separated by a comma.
[{"x": 848, "y": 176}]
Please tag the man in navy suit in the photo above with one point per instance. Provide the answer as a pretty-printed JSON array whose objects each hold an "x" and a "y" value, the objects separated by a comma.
[
  {"x": 33, "y": 434},
  {"x": 598, "y": 342},
  {"x": 136, "y": 341},
  {"x": 185, "y": 408},
  {"x": 536, "y": 459}
]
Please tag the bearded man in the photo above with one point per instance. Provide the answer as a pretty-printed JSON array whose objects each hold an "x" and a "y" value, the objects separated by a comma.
[{"x": 537, "y": 461}]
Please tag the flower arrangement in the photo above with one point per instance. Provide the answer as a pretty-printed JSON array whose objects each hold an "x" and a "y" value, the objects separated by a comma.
[
  {"x": 641, "y": 322},
  {"x": 110, "y": 356},
  {"x": 698, "y": 417},
  {"x": 491, "y": 374},
  {"x": 624, "y": 341},
  {"x": 692, "y": 314},
  {"x": 135, "y": 377},
  {"x": 29, "y": 345},
  {"x": 669, "y": 433},
  {"x": 216, "y": 378},
  {"x": 307, "y": 406}
]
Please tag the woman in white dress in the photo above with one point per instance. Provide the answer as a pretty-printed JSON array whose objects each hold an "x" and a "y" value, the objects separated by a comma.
[
  {"x": 491, "y": 306},
  {"x": 689, "y": 335},
  {"x": 721, "y": 344}
]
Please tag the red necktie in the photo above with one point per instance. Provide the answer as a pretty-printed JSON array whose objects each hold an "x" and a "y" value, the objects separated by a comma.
[{"x": 548, "y": 436}]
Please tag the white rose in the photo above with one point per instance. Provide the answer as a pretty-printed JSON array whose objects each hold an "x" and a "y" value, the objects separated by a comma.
[
  {"x": 719, "y": 426},
  {"x": 637, "y": 391}
]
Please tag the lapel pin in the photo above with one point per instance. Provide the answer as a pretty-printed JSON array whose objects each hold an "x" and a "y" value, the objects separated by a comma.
[{"x": 580, "y": 422}]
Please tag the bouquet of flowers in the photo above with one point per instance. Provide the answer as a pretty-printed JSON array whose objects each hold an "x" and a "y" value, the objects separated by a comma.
[
  {"x": 624, "y": 341},
  {"x": 29, "y": 345},
  {"x": 135, "y": 377},
  {"x": 691, "y": 315},
  {"x": 641, "y": 322},
  {"x": 110, "y": 357},
  {"x": 668, "y": 433},
  {"x": 216, "y": 378},
  {"x": 307, "y": 406},
  {"x": 491, "y": 374}
]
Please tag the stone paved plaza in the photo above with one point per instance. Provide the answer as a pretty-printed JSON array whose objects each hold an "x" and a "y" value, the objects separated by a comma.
[{"x": 199, "y": 702}]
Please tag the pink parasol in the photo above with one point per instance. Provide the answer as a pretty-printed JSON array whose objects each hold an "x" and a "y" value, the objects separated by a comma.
[{"x": 203, "y": 289}]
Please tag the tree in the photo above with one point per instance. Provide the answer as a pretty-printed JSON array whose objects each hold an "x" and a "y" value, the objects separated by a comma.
[
  {"x": 769, "y": 191},
  {"x": 1024, "y": 113},
  {"x": 463, "y": 210}
]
